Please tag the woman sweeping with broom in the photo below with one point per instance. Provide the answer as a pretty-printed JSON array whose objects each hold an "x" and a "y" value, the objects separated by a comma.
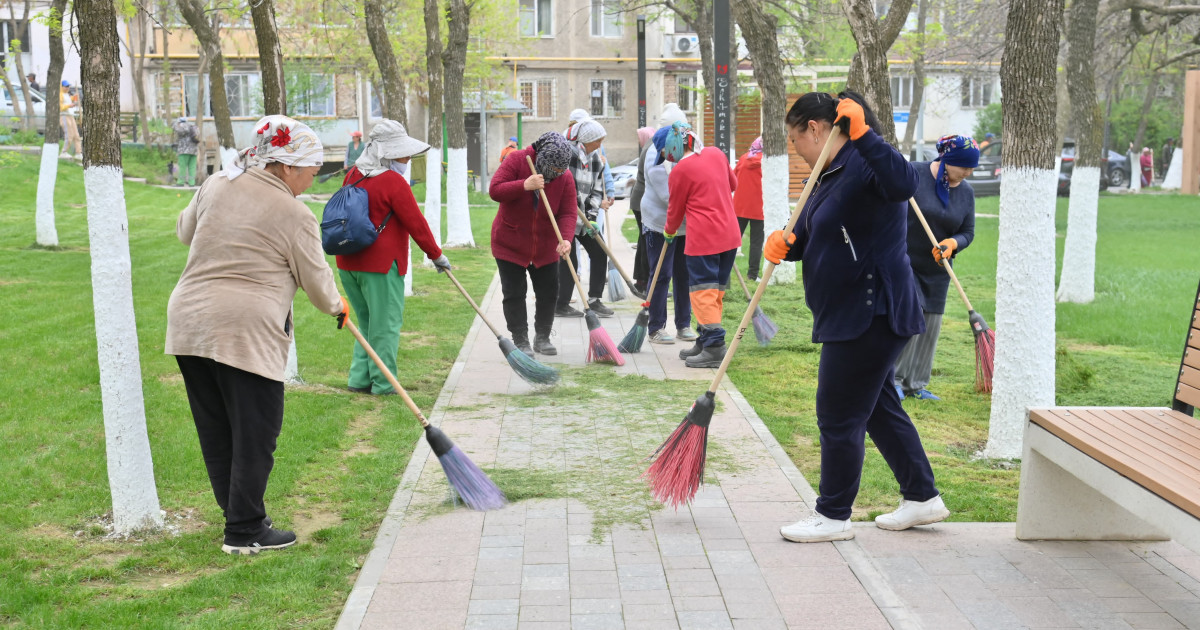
[{"x": 851, "y": 239}]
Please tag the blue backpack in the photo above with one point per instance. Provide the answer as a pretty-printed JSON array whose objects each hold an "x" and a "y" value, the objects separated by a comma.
[{"x": 346, "y": 226}]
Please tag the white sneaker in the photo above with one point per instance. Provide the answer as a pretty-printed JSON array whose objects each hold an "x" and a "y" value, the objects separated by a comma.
[
  {"x": 817, "y": 528},
  {"x": 661, "y": 336},
  {"x": 686, "y": 334},
  {"x": 913, "y": 513}
]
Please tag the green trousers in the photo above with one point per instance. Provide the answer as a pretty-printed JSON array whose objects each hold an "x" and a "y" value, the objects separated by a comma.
[
  {"x": 377, "y": 300},
  {"x": 186, "y": 174}
]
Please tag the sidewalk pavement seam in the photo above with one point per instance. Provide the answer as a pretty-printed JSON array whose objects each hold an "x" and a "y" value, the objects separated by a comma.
[{"x": 372, "y": 569}]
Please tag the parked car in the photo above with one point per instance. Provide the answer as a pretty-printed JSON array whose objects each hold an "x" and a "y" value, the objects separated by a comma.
[
  {"x": 624, "y": 177},
  {"x": 8, "y": 113},
  {"x": 985, "y": 179},
  {"x": 1116, "y": 170},
  {"x": 928, "y": 154}
]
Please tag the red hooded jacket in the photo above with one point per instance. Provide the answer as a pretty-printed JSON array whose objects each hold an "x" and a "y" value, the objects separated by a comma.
[
  {"x": 522, "y": 233},
  {"x": 748, "y": 200}
]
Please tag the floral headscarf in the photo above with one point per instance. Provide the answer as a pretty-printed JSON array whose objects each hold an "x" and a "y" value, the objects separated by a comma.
[
  {"x": 756, "y": 147},
  {"x": 279, "y": 139},
  {"x": 553, "y": 154},
  {"x": 679, "y": 139},
  {"x": 954, "y": 151}
]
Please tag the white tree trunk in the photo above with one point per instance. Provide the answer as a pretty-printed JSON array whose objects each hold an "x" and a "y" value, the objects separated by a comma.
[
  {"x": 47, "y": 235},
  {"x": 1078, "y": 280},
  {"x": 458, "y": 209},
  {"x": 433, "y": 196},
  {"x": 228, "y": 155},
  {"x": 1173, "y": 180},
  {"x": 777, "y": 210},
  {"x": 130, "y": 467},
  {"x": 1135, "y": 173},
  {"x": 408, "y": 290},
  {"x": 1024, "y": 363},
  {"x": 291, "y": 370}
]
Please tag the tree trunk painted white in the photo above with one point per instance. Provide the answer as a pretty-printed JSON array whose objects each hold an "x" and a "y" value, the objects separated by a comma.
[
  {"x": 130, "y": 467},
  {"x": 1173, "y": 180},
  {"x": 777, "y": 210},
  {"x": 1135, "y": 172},
  {"x": 228, "y": 155},
  {"x": 291, "y": 370},
  {"x": 1024, "y": 362},
  {"x": 47, "y": 235},
  {"x": 458, "y": 210},
  {"x": 408, "y": 283},
  {"x": 433, "y": 196},
  {"x": 1078, "y": 281}
]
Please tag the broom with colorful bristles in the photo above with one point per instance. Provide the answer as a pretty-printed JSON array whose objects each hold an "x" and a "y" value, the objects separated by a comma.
[
  {"x": 764, "y": 329},
  {"x": 472, "y": 484},
  {"x": 985, "y": 338},
  {"x": 637, "y": 335},
  {"x": 678, "y": 468},
  {"x": 600, "y": 345},
  {"x": 616, "y": 288},
  {"x": 525, "y": 366}
]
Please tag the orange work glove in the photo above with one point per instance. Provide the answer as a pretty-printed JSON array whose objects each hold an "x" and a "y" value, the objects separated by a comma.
[
  {"x": 341, "y": 317},
  {"x": 944, "y": 250},
  {"x": 776, "y": 248},
  {"x": 855, "y": 116}
]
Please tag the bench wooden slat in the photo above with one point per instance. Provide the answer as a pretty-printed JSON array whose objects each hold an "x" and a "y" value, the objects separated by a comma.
[
  {"x": 1191, "y": 357},
  {"x": 1178, "y": 427},
  {"x": 1129, "y": 460},
  {"x": 1190, "y": 376},
  {"x": 1188, "y": 394},
  {"x": 1194, "y": 338},
  {"x": 1161, "y": 443}
]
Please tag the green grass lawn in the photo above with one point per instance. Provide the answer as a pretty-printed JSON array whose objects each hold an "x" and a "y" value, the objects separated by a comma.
[
  {"x": 338, "y": 462},
  {"x": 1123, "y": 349}
]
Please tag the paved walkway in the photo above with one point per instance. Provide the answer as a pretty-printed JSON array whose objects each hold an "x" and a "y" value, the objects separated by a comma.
[{"x": 585, "y": 547}]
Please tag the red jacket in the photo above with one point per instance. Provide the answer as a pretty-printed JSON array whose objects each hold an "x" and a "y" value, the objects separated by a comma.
[
  {"x": 700, "y": 188},
  {"x": 389, "y": 192},
  {"x": 748, "y": 202},
  {"x": 522, "y": 233}
]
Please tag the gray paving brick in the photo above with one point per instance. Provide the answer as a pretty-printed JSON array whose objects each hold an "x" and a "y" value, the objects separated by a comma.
[
  {"x": 597, "y": 622},
  {"x": 546, "y": 613},
  {"x": 492, "y": 622},
  {"x": 649, "y": 611},
  {"x": 494, "y": 607},
  {"x": 704, "y": 620},
  {"x": 545, "y": 597}
]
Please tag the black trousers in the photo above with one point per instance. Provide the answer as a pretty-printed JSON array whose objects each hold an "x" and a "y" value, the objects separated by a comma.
[
  {"x": 756, "y": 243},
  {"x": 855, "y": 397},
  {"x": 238, "y": 416},
  {"x": 515, "y": 288},
  {"x": 597, "y": 276},
  {"x": 641, "y": 269}
]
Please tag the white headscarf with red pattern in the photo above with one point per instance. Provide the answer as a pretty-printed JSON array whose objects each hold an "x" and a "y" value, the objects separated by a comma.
[{"x": 279, "y": 139}]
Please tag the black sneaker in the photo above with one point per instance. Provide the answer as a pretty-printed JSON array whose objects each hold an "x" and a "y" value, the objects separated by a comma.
[
  {"x": 696, "y": 349},
  {"x": 567, "y": 310},
  {"x": 599, "y": 308},
  {"x": 522, "y": 343},
  {"x": 709, "y": 357},
  {"x": 360, "y": 390},
  {"x": 541, "y": 343},
  {"x": 267, "y": 539}
]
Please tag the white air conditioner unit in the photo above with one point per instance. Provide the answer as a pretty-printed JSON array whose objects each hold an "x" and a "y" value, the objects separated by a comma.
[{"x": 688, "y": 44}]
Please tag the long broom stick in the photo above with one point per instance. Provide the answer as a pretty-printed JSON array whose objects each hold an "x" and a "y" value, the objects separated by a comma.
[
  {"x": 525, "y": 366},
  {"x": 472, "y": 484},
  {"x": 678, "y": 469},
  {"x": 985, "y": 337},
  {"x": 637, "y": 335},
  {"x": 764, "y": 329},
  {"x": 604, "y": 245},
  {"x": 600, "y": 345}
]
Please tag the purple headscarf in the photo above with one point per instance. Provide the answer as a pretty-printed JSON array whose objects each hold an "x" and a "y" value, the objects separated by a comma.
[
  {"x": 756, "y": 147},
  {"x": 954, "y": 151}
]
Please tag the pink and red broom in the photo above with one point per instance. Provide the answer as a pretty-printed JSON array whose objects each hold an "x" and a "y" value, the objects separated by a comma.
[
  {"x": 600, "y": 345},
  {"x": 678, "y": 468},
  {"x": 472, "y": 484},
  {"x": 985, "y": 338}
]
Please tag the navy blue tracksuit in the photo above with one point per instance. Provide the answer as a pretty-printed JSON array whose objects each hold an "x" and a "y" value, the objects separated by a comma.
[{"x": 851, "y": 239}]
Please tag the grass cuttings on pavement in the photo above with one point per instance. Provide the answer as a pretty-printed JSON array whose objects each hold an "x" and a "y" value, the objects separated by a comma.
[
  {"x": 338, "y": 462},
  {"x": 1122, "y": 349}
]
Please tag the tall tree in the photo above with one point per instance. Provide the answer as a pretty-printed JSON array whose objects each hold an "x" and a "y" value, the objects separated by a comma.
[
  {"x": 19, "y": 31},
  {"x": 47, "y": 234},
  {"x": 758, "y": 29},
  {"x": 136, "y": 47},
  {"x": 458, "y": 211},
  {"x": 1024, "y": 362},
  {"x": 389, "y": 69},
  {"x": 1078, "y": 280},
  {"x": 203, "y": 78},
  {"x": 433, "y": 128},
  {"x": 130, "y": 467},
  {"x": 869, "y": 69},
  {"x": 917, "y": 48},
  {"x": 270, "y": 57},
  {"x": 206, "y": 25}
]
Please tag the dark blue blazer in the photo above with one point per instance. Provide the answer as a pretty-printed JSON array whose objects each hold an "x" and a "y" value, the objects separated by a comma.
[{"x": 852, "y": 240}]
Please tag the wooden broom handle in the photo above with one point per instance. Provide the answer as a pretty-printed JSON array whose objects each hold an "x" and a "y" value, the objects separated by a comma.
[
  {"x": 604, "y": 246},
  {"x": 475, "y": 306},
  {"x": 412, "y": 406},
  {"x": 933, "y": 239},
  {"x": 557, "y": 232},
  {"x": 834, "y": 134},
  {"x": 742, "y": 281},
  {"x": 654, "y": 281}
]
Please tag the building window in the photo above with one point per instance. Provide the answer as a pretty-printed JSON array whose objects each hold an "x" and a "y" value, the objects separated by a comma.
[
  {"x": 606, "y": 18},
  {"x": 686, "y": 93},
  {"x": 536, "y": 18},
  {"x": 976, "y": 92},
  {"x": 244, "y": 93},
  {"x": 681, "y": 25},
  {"x": 538, "y": 96},
  {"x": 9, "y": 34},
  {"x": 902, "y": 91},
  {"x": 608, "y": 98},
  {"x": 310, "y": 94}
]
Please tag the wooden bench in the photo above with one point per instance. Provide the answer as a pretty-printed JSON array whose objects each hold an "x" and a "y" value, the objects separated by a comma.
[
  {"x": 1107, "y": 473},
  {"x": 129, "y": 125}
]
